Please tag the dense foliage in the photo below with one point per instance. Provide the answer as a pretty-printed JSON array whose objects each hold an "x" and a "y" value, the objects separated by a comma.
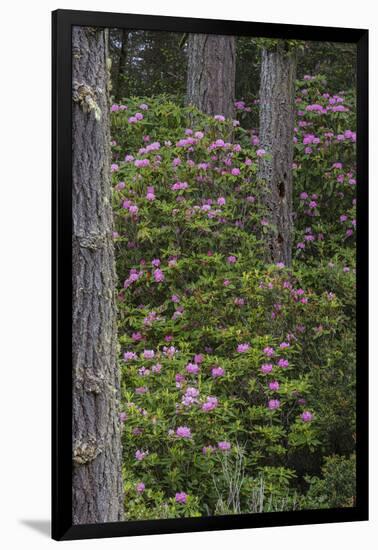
[{"x": 237, "y": 376}]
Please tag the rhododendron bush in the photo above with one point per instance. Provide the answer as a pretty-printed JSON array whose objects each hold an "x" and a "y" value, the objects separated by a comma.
[{"x": 237, "y": 374}]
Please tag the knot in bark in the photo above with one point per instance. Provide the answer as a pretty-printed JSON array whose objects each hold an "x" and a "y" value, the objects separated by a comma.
[
  {"x": 92, "y": 241},
  {"x": 86, "y": 97},
  {"x": 85, "y": 452}
]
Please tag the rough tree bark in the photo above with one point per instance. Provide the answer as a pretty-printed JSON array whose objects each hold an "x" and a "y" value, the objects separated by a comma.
[
  {"x": 120, "y": 92},
  {"x": 97, "y": 479},
  {"x": 211, "y": 74},
  {"x": 277, "y": 96}
]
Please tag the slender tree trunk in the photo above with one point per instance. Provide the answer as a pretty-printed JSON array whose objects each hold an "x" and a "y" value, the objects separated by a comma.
[
  {"x": 277, "y": 96},
  {"x": 211, "y": 73},
  {"x": 121, "y": 91},
  {"x": 97, "y": 479}
]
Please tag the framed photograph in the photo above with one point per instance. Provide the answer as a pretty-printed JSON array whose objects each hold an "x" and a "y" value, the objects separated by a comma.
[{"x": 210, "y": 202}]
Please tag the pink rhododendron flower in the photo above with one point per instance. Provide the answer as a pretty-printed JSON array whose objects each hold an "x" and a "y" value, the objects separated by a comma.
[
  {"x": 141, "y": 163},
  {"x": 181, "y": 497},
  {"x": 224, "y": 445},
  {"x": 158, "y": 275},
  {"x": 179, "y": 185},
  {"x": 306, "y": 416},
  {"x": 242, "y": 348},
  {"x": 192, "y": 392},
  {"x": 133, "y": 209},
  {"x": 169, "y": 352},
  {"x": 179, "y": 378},
  {"x": 269, "y": 351},
  {"x": 140, "y": 487},
  {"x": 183, "y": 432},
  {"x": 192, "y": 368},
  {"x": 143, "y": 371},
  {"x": 190, "y": 397},
  {"x": 210, "y": 404},
  {"x": 150, "y": 196},
  {"x": 156, "y": 368},
  {"x": 217, "y": 372},
  {"x": 266, "y": 368},
  {"x": 129, "y": 356},
  {"x": 198, "y": 358},
  {"x": 141, "y": 390},
  {"x": 260, "y": 152},
  {"x": 273, "y": 404},
  {"x": 140, "y": 455}
]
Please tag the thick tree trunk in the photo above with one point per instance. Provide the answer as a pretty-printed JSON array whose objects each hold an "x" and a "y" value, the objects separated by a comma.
[
  {"x": 211, "y": 74},
  {"x": 97, "y": 479},
  {"x": 121, "y": 92},
  {"x": 277, "y": 96}
]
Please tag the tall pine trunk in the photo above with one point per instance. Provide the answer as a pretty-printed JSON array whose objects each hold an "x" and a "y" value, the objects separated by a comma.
[
  {"x": 97, "y": 479},
  {"x": 277, "y": 97},
  {"x": 211, "y": 74}
]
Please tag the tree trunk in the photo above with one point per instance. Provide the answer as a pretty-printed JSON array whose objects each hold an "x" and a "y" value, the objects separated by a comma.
[
  {"x": 97, "y": 478},
  {"x": 277, "y": 97},
  {"x": 211, "y": 74},
  {"x": 120, "y": 92}
]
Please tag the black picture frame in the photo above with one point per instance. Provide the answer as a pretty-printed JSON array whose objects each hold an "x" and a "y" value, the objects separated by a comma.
[{"x": 62, "y": 22}]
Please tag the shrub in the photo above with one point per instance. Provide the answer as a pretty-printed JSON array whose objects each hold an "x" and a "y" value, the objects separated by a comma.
[
  {"x": 337, "y": 486},
  {"x": 236, "y": 375}
]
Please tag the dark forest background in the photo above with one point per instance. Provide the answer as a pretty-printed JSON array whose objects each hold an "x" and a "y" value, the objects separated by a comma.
[{"x": 155, "y": 62}]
